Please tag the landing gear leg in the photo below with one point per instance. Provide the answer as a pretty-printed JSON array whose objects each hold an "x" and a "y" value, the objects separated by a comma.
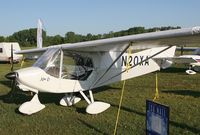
[{"x": 32, "y": 106}]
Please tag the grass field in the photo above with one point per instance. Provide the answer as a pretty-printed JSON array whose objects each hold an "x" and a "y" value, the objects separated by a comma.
[{"x": 179, "y": 91}]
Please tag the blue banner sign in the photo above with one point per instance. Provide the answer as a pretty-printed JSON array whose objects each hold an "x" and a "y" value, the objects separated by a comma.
[{"x": 157, "y": 118}]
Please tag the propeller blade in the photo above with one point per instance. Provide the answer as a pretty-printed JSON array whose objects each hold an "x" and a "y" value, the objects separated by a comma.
[
  {"x": 11, "y": 58},
  {"x": 12, "y": 76},
  {"x": 13, "y": 84}
]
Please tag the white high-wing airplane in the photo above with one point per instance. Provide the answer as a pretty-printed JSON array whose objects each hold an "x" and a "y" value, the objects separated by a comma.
[{"x": 81, "y": 67}]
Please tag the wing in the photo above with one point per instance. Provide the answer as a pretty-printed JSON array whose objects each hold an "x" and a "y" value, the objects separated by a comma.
[{"x": 187, "y": 36}]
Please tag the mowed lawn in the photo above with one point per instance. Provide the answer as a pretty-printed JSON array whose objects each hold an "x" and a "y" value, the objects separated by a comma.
[{"x": 179, "y": 91}]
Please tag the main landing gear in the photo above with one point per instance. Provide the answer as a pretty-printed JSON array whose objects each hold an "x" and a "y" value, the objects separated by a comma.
[{"x": 92, "y": 108}]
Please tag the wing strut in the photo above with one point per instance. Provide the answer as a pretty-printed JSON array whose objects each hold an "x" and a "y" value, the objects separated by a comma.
[{"x": 98, "y": 79}]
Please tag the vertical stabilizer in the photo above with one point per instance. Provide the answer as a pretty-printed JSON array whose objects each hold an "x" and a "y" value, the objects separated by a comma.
[{"x": 39, "y": 34}]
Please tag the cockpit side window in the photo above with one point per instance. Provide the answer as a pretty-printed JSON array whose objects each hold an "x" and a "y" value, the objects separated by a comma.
[{"x": 76, "y": 67}]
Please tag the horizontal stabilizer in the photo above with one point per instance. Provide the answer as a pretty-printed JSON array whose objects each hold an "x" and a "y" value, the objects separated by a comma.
[
  {"x": 184, "y": 60},
  {"x": 166, "y": 62}
]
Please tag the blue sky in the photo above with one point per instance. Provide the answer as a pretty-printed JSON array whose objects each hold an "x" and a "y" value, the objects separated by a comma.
[{"x": 96, "y": 16}]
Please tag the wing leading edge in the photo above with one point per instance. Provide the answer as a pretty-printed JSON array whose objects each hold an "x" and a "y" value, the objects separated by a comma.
[{"x": 186, "y": 36}]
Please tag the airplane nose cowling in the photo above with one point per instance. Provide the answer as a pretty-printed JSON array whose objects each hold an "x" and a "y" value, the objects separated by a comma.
[{"x": 11, "y": 75}]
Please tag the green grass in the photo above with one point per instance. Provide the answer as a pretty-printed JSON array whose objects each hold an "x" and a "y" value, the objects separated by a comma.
[{"x": 179, "y": 91}]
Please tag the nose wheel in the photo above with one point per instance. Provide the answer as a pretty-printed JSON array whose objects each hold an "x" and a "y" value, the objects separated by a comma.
[{"x": 69, "y": 100}]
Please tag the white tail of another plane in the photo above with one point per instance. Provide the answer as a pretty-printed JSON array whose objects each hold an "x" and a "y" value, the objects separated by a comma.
[{"x": 39, "y": 34}]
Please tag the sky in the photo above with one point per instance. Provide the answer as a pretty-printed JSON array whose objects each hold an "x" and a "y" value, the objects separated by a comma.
[{"x": 95, "y": 16}]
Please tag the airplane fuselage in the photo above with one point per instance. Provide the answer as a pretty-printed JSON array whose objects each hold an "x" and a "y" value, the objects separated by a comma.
[{"x": 45, "y": 80}]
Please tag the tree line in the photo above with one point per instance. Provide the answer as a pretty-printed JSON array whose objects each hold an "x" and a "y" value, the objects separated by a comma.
[{"x": 28, "y": 37}]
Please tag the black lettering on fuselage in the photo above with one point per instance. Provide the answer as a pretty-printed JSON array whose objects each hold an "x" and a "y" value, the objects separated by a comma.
[
  {"x": 147, "y": 61},
  {"x": 130, "y": 60},
  {"x": 141, "y": 59},
  {"x": 124, "y": 61},
  {"x": 135, "y": 60}
]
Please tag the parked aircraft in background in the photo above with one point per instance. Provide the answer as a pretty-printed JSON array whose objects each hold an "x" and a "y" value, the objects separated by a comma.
[
  {"x": 194, "y": 64},
  {"x": 81, "y": 67}
]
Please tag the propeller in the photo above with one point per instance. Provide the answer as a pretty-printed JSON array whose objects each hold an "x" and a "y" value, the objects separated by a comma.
[{"x": 12, "y": 75}]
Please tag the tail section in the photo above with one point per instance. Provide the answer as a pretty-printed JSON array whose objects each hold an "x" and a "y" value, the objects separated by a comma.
[{"x": 138, "y": 64}]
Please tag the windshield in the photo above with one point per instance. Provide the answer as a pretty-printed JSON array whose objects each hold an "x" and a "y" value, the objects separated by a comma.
[
  {"x": 65, "y": 65},
  {"x": 46, "y": 58},
  {"x": 50, "y": 62}
]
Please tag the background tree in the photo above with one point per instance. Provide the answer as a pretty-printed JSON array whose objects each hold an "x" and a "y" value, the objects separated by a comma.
[{"x": 2, "y": 39}]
